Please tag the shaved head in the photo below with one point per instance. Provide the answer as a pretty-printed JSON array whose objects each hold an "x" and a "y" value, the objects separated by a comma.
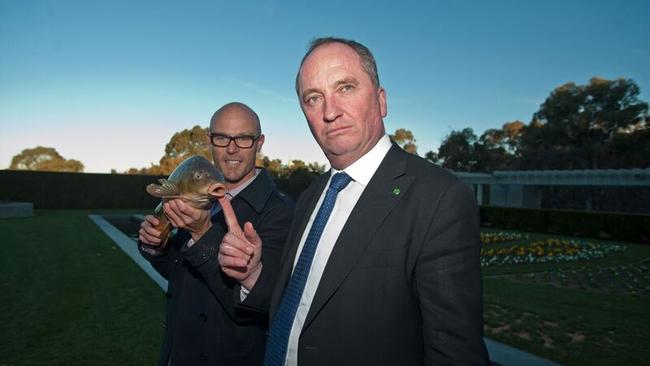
[{"x": 237, "y": 111}]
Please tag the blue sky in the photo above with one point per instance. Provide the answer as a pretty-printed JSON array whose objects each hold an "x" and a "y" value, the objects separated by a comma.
[{"x": 108, "y": 83}]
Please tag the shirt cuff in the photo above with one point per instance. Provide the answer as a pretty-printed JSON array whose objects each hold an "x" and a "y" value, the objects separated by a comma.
[{"x": 148, "y": 250}]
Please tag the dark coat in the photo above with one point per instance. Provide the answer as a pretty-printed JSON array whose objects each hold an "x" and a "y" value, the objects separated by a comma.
[
  {"x": 206, "y": 322},
  {"x": 402, "y": 285}
]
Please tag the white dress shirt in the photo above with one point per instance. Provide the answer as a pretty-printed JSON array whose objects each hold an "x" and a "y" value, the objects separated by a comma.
[{"x": 361, "y": 171}]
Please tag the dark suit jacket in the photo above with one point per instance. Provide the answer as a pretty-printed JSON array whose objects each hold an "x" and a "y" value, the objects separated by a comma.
[
  {"x": 206, "y": 323},
  {"x": 402, "y": 285}
]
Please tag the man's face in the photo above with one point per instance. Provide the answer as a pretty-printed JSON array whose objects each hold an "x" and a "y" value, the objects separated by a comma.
[
  {"x": 342, "y": 106},
  {"x": 237, "y": 164}
]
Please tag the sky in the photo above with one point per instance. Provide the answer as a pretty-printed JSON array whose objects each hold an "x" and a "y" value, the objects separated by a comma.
[{"x": 108, "y": 83}]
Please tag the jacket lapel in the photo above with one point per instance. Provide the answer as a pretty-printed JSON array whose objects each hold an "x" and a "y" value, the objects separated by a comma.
[{"x": 387, "y": 186}]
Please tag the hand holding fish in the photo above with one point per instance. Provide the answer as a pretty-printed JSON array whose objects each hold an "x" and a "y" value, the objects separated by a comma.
[
  {"x": 188, "y": 195},
  {"x": 184, "y": 216},
  {"x": 148, "y": 233}
]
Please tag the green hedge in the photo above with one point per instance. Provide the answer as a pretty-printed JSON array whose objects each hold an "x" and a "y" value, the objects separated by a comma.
[
  {"x": 604, "y": 225},
  {"x": 95, "y": 191},
  {"x": 55, "y": 190},
  {"x": 76, "y": 190},
  {"x": 296, "y": 182}
]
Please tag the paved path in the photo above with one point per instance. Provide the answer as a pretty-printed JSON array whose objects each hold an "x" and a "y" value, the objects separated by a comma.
[
  {"x": 16, "y": 209},
  {"x": 500, "y": 354},
  {"x": 129, "y": 247}
]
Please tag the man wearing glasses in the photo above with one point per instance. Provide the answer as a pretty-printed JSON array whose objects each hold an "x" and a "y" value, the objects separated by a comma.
[{"x": 212, "y": 317}]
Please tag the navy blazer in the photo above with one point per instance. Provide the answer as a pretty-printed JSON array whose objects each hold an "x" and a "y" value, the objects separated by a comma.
[
  {"x": 206, "y": 322},
  {"x": 402, "y": 285}
]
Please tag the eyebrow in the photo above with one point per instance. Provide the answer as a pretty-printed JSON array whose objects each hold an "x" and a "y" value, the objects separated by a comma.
[
  {"x": 347, "y": 80},
  {"x": 309, "y": 91}
]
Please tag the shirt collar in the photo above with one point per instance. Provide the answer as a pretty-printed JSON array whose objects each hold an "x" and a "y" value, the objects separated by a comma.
[
  {"x": 256, "y": 191},
  {"x": 362, "y": 170},
  {"x": 235, "y": 191}
]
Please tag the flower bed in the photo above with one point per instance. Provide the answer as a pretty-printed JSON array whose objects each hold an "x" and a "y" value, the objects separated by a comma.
[
  {"x": 500, "y": 237},
  {"x": 545, "y": 251}
]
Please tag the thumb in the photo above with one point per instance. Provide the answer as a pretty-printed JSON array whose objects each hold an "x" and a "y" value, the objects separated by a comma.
[{"x": 251, "y": 234}]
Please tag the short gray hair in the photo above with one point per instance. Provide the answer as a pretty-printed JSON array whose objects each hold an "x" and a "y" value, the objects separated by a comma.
[{"x": 367, "y": 59}]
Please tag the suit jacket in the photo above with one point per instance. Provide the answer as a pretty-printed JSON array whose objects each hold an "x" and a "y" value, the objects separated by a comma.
[
  {"x": 206, "y": 321},
  {"x": 402, "y": 285}
]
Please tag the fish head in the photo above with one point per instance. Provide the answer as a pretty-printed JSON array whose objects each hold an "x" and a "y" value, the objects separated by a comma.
[
  {"x": 196, "y": 180},
  {"x": 209, "y": 182}
]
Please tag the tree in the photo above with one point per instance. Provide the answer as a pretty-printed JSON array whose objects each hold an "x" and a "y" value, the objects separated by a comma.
[
  {"x": 506, "y": 138},
  {"x": 630, "y": 148},
  {"x": 181, "y": 146},
  {"x": 511, "y": 135},
  {"x": 184, "y": 144},
  {"x": 457, "y": 150},
  {"x": 576, "y": 126},
  {"x": 294, "y": 177},
  {"x": 406, "y": 140},
  {"x": 432, "y": 157},
  {"x": 497, "y": 149},
  {"x": 45, "y": 159},
  {"x": 599, "y": 125},
  {"x": 314, "y": 167},
  {"x": 274, "y": 166}
]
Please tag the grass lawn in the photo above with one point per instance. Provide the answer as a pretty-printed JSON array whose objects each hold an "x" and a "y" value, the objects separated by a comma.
[
  {"x": 576, "y": 313},
  {"x": 69, "y": 296}
]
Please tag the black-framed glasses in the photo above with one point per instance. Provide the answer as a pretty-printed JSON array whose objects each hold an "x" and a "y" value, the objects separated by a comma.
[{"x": 242, "y": 141}]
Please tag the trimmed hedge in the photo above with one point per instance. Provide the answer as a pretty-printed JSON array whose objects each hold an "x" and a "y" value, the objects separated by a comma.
[
  {"x": 56, "y": 190},
  {"x": 603, "y": 225}
]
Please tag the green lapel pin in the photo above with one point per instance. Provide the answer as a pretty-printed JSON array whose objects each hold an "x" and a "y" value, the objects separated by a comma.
[{"x": 396, "y": 191}]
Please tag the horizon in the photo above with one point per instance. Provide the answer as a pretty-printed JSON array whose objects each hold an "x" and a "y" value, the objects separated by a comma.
[{"x": 109, "y": 84}]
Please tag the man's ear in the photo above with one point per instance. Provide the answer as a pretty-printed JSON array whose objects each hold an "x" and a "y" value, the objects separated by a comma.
[
  {"x": 260, "y": 142},
  {"x": 381, "y": 94}
]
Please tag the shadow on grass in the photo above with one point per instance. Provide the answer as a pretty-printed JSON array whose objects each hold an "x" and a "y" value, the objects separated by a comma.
[{"x": 69, "y": 296}]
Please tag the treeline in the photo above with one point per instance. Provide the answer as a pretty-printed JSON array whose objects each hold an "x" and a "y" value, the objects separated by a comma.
[
  {"x": 600, "y": 125},
  {"x": 292, "y": 177},
  {"x": 194, "y": 141},
  {"x": 44, "y": 159}
]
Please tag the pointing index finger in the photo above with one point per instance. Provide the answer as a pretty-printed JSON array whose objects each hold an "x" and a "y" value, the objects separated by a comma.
[{"x": 231, "y": 219}]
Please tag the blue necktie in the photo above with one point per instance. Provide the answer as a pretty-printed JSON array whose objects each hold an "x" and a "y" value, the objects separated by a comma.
[{"x": 276, "y": 345}]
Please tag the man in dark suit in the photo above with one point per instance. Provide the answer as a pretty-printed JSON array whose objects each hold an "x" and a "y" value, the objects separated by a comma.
[
  {"x": 209, "y": 321},
  {"x": 382, "y": 263}
]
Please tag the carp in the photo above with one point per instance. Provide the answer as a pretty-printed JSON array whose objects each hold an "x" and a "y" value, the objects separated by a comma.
[{"x": 199, "y": 183}]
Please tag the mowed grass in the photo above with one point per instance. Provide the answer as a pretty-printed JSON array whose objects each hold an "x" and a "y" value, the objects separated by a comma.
[
  {"x": 69, "y": 296},
  {"x": 569, "y": 324}
]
